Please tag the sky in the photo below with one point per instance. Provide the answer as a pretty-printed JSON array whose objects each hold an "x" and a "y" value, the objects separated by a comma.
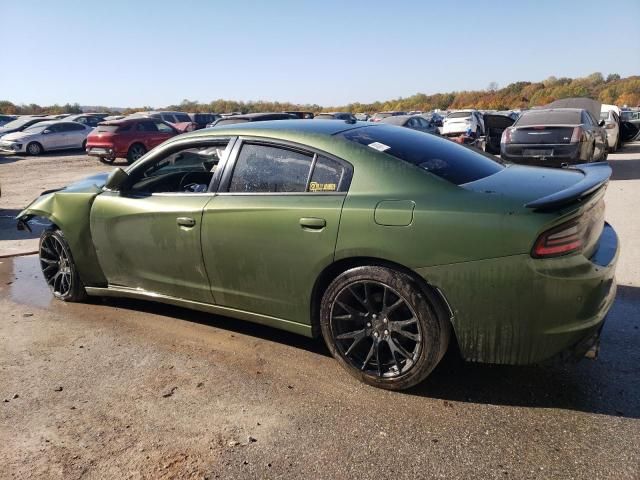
[{"x": 123, "y": 53}]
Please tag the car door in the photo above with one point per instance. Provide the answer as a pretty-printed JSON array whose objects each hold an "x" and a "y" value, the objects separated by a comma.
[
  {"x": 272, "y": 227},
  {"x": 53, "y": 137},
  {"x": 77, "y": 134},
  {"x": 147, "y": 236}
]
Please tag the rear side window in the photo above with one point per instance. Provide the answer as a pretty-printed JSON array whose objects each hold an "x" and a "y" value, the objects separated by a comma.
[
  {"x": 443, "y": 158},
  {"x": 329, "y": 176},
  {"x": 146, "y": 127},
  {"x": 261, "y": 169}
]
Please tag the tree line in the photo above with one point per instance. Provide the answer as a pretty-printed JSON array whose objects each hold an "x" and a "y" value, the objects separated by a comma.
[{"x": 612, "y": 90}]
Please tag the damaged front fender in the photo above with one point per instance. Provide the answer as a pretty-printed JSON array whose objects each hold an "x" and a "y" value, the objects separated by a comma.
[{"x": 69, "y": 210}]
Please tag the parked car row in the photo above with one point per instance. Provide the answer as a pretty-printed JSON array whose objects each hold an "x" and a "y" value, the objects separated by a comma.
[{"x": 586, "y": 132}]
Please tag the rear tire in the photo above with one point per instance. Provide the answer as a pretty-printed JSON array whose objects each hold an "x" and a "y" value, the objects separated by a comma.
[
  {"x": 34, "y": 148},
  {"x": 381, "y": 327},
  {"x": 58, "y": 267},
  {"x": 108, "y": 160},
  {"x": 136, "y": 151}
]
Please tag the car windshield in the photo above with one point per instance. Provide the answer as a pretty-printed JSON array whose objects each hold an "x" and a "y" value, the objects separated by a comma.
[
  {"x": 17, "y": 123},
  {"x": 182, "y": 117},
  {"x": 459, "y": 115},
  {"x": 446, "y": 159},
  {"x": 549, "y": 117},
  {"x": 38, "y": 127}
]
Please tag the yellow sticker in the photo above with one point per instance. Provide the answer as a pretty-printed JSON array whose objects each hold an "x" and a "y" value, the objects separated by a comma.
[{"x": 322, "y": 187}]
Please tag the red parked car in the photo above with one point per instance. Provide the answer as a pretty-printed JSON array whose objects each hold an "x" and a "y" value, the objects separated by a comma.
[{"x": 128, "y": 138}]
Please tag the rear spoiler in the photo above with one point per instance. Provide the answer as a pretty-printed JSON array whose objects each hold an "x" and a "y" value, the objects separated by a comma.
[{"x": 596, "y": 176}]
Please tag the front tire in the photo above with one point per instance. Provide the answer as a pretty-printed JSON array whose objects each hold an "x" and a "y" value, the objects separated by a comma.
[
  {"x": 382, "y": 328},
  {"x": 107, "y": 160},
  {"x": 34, "y": 149},
  {"x": 58, "y": 267}
]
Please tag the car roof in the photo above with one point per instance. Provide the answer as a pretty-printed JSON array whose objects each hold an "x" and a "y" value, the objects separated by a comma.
[
  {"x": 253, "y": 116},
  {"x": 319, "y": 127},
  {"x": 398, "y": 119},
  {"x": 126, "y": 120}
]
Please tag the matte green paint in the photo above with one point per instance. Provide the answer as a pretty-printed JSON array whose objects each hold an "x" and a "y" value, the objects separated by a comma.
[{"x": 257, "y": 257}]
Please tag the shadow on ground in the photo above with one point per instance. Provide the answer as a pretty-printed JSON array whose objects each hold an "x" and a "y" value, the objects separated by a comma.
[{"x": 609, "y": 385}]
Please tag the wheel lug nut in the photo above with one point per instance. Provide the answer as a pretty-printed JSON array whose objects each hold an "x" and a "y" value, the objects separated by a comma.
[
  {"x": 375, "y": 334},
  {"x": 374, "y": 316},
  {"x": 384, "y": 320},
  {"x": 368, "y": 324},
  {"x": 386, "y": 332}
]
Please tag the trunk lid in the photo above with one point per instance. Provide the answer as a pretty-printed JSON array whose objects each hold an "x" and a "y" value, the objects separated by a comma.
[{"x": 542, "y": 134}]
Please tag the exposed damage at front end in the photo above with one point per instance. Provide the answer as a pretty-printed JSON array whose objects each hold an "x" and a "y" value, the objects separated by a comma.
[{"x": 68, "y": 209}]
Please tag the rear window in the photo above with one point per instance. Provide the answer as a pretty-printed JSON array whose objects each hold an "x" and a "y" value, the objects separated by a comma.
[
  {"x": 459, "y": 115},
  {"x": 231, "y": 121},
  {"x": 325, "y": 116},
  {"x": 107, "y": 128},
  {"x": 182, "y": 117},
  {"x": 443, "y": 158},
  {"x": 549, "y": 117}
]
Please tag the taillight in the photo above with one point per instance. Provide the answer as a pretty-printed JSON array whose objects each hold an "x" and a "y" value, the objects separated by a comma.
[
  {"x": 506, "y": 136},
  {"x": 562, "y": 240},
  {"x": 576, "y": 136}
]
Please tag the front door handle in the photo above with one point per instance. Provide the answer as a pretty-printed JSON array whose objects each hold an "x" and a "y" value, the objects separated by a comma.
[
  {"x": 185, "y": 221},
  {"x": 313, "y": 223}
]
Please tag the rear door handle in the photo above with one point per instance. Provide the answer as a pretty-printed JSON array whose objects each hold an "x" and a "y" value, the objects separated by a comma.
[
  {"x": 185, "y": 221},
  {"x": 313, "y": 223}
]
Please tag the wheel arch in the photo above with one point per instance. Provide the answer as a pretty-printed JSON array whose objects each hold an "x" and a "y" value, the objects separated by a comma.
[{"x": 332, "y": 271}]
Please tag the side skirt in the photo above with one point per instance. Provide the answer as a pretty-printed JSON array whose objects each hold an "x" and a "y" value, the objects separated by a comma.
[{"x": 125, "y": 292}]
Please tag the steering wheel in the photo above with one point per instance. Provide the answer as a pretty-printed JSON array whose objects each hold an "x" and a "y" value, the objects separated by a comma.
[{"x": 183, "y": 186}]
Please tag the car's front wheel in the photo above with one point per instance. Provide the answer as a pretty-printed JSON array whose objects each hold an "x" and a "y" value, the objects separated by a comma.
[
  {"x": 34, "y": 148},
  {"x": 58, "y": 268},
  {"x": 382, "y": 328}
]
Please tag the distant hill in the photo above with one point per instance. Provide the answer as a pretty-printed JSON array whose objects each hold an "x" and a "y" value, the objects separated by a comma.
[{"x": 612, "y": 89}]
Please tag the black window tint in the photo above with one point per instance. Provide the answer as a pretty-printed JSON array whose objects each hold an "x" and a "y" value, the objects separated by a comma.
[
  {"x": 76, "y": 127},
  {"x": 181, "y": 117},
  {"x": 329, "y": 176},
  {"x": 441, "y": 157},
  {"x": 549, "y": 117},
  {"x": 261, "y": 168},
  {"x": 146, "y": 127}
]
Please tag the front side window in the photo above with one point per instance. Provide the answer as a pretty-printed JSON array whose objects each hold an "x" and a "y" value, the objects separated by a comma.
[
  {"x": 163, "y": 127},
  {"x": 262, "y": 169},
  {"x": 189, "y": 170}
]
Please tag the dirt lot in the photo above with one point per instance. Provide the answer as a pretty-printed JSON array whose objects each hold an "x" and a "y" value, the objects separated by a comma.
[{"x": 128, "y": 389}]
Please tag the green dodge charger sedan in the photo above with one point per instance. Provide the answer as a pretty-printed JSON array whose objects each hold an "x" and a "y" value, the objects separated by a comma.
[{"x": 388, "y": 242}]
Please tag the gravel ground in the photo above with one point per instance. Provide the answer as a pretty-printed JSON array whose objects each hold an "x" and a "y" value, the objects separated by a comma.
[{"x": 130, "y": 389}]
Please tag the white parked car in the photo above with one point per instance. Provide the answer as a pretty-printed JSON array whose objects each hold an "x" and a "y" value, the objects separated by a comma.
[
  {"x": 611, "y": 116},
  {"x": 45, "y": 136},
  {"x": 463, "y": 121}
]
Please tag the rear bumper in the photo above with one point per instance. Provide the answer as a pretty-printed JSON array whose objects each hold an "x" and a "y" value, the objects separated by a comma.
[
  {"x": 561, "y": 154},
  {"x": 101, "y": 151},
  {"x": 518, "y": 310}
]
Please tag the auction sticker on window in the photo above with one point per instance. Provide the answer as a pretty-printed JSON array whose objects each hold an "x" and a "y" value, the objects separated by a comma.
[{"x": 381, "y": 147}]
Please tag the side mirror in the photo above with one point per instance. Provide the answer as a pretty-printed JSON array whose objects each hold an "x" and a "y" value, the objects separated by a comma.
[
  {"x": 116, "y": 179},
  {"x": 601, "y": 123}
]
